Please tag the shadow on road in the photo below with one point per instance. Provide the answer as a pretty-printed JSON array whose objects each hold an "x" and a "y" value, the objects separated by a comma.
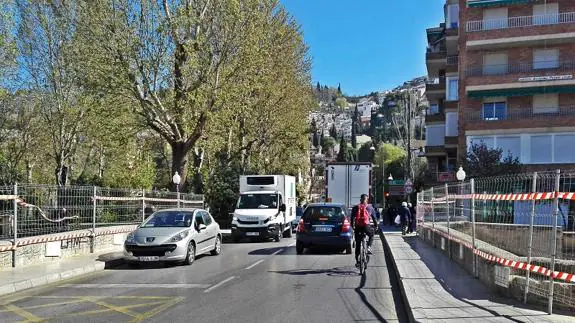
[
  {"x": 120, "y": 264},
  {"x": 336, "y": 272},
  {"x": 291, "y": 251}
]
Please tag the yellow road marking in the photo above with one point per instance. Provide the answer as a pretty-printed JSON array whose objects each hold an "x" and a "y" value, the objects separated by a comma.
[
  {"x": 25, "y": 314},
  {"x": 127, "y": 307},
  {"x": 157, "y": 310},
  {"x": 119, "y": 309},
  {"x": 53, "y": 304}
]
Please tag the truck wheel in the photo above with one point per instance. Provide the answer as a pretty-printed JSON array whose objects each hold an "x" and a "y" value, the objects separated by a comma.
[
  {"x": 298, "y": 247},
  {"x": 279, "y": 235}
]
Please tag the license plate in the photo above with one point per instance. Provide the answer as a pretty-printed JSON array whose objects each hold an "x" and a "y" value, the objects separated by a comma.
[
  {"x": 251, "y": 234},
  {"x": 151, "y": 258},
  {"x": 322, "y": 229}
]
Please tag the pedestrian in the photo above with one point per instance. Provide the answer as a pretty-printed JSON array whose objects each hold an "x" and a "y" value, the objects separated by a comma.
[
  {"x": 412, "y": 219},
  {"x": 404, "y": 216}
]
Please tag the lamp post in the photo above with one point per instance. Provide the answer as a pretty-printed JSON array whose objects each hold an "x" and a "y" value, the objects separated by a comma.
[
  {"x": 461, "y": 177},
  {"x": 176, "y": 180}
]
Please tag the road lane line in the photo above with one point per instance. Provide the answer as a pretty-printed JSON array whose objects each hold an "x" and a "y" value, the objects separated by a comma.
[
  {"x": 219, "y": 284},
  {"x": 275, "y": 253},
  {"x": 254, "y": 264},
  {"x": 23, "y": 313},
  {"x": 291, "y": 245},
  {"x": 171, "y": 286}
]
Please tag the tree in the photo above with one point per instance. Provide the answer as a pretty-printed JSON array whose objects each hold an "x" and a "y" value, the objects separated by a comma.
[
  {"x": 353, "y": 136},
  {"x": 318, "y": 87},
  {"x": 333, "y": 131},
  {"x": 313, "y": 126},
  {"x": 339, "y": 88},
  {"x": 365, "y": 154},
  {"x": 328, "y": 145},
  {"x": 341, "y": 102},
  {"x": 482, "y": 161},
  {"x": 342, "y": 153}
]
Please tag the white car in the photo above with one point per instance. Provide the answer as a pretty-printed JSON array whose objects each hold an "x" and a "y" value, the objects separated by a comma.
[{"x": 174, "y": 236}]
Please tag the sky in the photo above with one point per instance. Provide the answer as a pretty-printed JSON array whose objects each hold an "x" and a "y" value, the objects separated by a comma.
[{"x": 366, "y": 45}]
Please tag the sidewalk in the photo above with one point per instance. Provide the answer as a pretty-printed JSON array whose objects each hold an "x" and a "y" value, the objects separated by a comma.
[
  {"x": 436, "y": 289},
  {"x": 20, "y": 278}
]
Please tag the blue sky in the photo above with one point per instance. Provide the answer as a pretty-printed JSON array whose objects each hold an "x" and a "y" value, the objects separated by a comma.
[{"x": 366, "y": 45}]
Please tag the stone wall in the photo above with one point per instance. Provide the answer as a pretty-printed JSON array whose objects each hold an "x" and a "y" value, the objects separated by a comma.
[{"x": 56, "y": 250}]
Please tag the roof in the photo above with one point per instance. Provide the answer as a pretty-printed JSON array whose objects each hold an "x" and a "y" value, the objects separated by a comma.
[{"x": 326, "y": 204}]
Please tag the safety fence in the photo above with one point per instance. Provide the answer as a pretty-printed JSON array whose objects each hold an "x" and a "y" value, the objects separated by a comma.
[
  {"x": 28, "y": 211},
  {"x": 525, "y": 222}
]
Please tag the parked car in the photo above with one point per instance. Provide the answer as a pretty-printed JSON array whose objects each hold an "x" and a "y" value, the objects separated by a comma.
[
  {"x": 174, "y": 236},
  {"x": 324, "y": 225}
]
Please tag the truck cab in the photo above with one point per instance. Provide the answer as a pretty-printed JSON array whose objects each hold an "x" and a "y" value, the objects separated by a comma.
[{"x": 265, "y": 207}]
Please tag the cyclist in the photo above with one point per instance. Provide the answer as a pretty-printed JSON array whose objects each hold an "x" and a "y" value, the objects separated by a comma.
[{"x": 362, "y": 221}]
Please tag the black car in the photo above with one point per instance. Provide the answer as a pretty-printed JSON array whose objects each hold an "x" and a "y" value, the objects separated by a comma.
[{"x": 324, "y": 225}]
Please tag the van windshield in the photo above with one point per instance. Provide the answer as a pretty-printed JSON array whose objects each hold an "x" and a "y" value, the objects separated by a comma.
[{"x": 258, "y": 201}]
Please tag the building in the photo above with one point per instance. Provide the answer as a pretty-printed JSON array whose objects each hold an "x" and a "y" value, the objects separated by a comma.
[{"x": 501, "y": 73}]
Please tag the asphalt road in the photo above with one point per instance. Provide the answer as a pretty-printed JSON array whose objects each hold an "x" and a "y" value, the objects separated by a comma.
[{"x": 248, "y": 282}]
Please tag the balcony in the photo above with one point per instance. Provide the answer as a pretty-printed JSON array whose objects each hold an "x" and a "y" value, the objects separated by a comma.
[
  {"x": 520, "y": 68},
  {"x": 452, "y": 64},
  {"x": 436, "y": 84},
  {"x": 434, "y": 117},
  {"x": 523, "y": 113},
  {"x": 451, "y": 140},
  {"x": 520, "y": 31},
  {"x": 435, "y": 55},
  {"x": 520, "y": 22}
]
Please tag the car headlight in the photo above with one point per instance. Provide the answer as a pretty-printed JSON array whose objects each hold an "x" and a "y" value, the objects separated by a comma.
[
  {"x": 234, "y": 218},
  {"x": 130, "y": 237},
  {"x": 179, "y": 236}
]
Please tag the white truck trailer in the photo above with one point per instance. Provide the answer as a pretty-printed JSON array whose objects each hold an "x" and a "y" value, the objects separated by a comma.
[
  {"x": 266, "y": 207},
  {"x": 346, "y": 182}
]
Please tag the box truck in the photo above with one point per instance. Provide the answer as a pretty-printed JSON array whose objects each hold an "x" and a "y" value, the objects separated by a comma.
[
  {"x": 346, "y": 182},
  {"x": 266, "y": 207}
]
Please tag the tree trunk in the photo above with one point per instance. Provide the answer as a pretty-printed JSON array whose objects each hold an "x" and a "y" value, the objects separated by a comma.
[
  {"x": 179, "y": 163},
  {"x": 29, "y": 167},
  {"x": 61, "y": 173}
]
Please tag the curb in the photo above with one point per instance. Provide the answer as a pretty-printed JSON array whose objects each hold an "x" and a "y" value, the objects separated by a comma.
[
  {"x": 393, "y": 264},
  {"x": 97, "y": 266}
]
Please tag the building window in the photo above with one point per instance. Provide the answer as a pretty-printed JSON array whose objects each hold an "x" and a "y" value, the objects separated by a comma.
[
  {"x": 541, "y": 149},
  {"x": 452, "y": 88},
  {"x": 546, "y": 103},
  {"x": 451, "y": 124},
  {"x": 495, "y": 64},
  {"x": 564, "y": 152},
  {"x": 545, "y": 14},
  {"x": 494, "y": 111},
  {"x": 488, "y": 141},
  {"x": 510, "y": 146},
  {"x": 434, "y": 109},
  {"x": 453, "y": 15},
  {"x": 435, "y": 135},
  {"x": 495, "y": 18},
  {"x": 545, "y": 58}
]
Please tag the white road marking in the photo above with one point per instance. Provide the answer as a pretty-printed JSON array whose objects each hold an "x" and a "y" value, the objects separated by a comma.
[
  {"x": 219, "y": 284},
  {"x": 291, "y": 245},
  {"x": 186, "y": 286},
  {"x": 254, "y": 264},
  {"x": 275, "y": 253}
]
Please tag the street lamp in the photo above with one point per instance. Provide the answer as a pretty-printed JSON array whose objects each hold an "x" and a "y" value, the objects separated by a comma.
[
  {"x": 460, "y": 177},
  {"x": 176, "y": 179}
]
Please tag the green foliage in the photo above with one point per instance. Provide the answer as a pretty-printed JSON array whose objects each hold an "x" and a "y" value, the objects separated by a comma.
[
  {"x": 328, "y": 144},
  {"x": 341, "y": 102},
  {"x": 482, "y": 161},
  {"x": 346, "y": 153},
  {"x": 301, "y": 194}
]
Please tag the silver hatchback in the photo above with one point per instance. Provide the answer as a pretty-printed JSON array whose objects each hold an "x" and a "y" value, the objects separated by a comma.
[{"x": 174, "y": 235}]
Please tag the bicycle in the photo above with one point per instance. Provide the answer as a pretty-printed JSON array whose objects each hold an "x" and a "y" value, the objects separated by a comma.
[{"x": 363, "y": 256}]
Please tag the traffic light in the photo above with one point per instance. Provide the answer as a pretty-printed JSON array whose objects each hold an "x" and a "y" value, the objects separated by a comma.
[{"x": 386, "y": 194}]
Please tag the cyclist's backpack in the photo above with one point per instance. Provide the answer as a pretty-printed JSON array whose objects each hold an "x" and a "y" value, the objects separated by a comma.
[{"x": 362, "y": 216}]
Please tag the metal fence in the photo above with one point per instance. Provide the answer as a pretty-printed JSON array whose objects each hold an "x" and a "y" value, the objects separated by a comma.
[
  {"x": 33, "y": 210},
  {"x": 525, "y": 222}
]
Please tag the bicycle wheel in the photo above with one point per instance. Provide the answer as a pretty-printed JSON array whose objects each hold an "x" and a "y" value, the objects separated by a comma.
[{"x": 362, "y": 258}]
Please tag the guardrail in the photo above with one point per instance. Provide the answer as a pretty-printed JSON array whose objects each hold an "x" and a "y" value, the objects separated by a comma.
[
  {"x": 519, "y": 22},
  {"x": 33, "y": 210}
]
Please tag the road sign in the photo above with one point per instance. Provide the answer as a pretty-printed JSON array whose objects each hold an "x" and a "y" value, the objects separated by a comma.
[
  {"x": 398, "y": 182},
  {"x": 408, "y": 187},
  {"x": 396, "y": 190}
]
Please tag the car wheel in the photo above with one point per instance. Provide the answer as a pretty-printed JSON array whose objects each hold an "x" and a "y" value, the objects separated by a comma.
[
  {"x": 133, "y": 264},
  {"x": 217, "y": 246},
  {"x": 299, "y": 247},
  {"x": 288, "y": 233},
  {"x": 348, "y": 250},
  {"x": 279, "y": 236},
  {"x": 191, "y": 254}
]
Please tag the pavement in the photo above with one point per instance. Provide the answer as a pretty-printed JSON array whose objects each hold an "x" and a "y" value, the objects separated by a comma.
[
  {"x": 247, "y": 282},
  {"x": 437, "y": 290}
]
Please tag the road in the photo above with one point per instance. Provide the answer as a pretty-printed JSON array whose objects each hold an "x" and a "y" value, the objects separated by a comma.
[{"x": 248, "y": 282}]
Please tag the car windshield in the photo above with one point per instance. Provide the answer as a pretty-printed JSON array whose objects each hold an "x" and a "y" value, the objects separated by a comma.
[
  {"x": 324, "y": 213},
  {"x": 258, "y": 201},
  {"x": 169, "y": 219}
]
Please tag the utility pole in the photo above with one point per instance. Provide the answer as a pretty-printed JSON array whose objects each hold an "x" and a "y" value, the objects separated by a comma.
[{"x": 409, "y": 97}]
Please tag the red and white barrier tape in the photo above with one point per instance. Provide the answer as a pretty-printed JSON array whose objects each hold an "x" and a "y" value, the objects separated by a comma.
[
  {"x": 506, "y": 262},
  {"x": 147, "y": 199},
  {"x": 507, "y": 197}
]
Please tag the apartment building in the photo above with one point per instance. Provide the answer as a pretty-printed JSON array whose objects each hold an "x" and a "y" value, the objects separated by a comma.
[{"x": 501, "y": 72}]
